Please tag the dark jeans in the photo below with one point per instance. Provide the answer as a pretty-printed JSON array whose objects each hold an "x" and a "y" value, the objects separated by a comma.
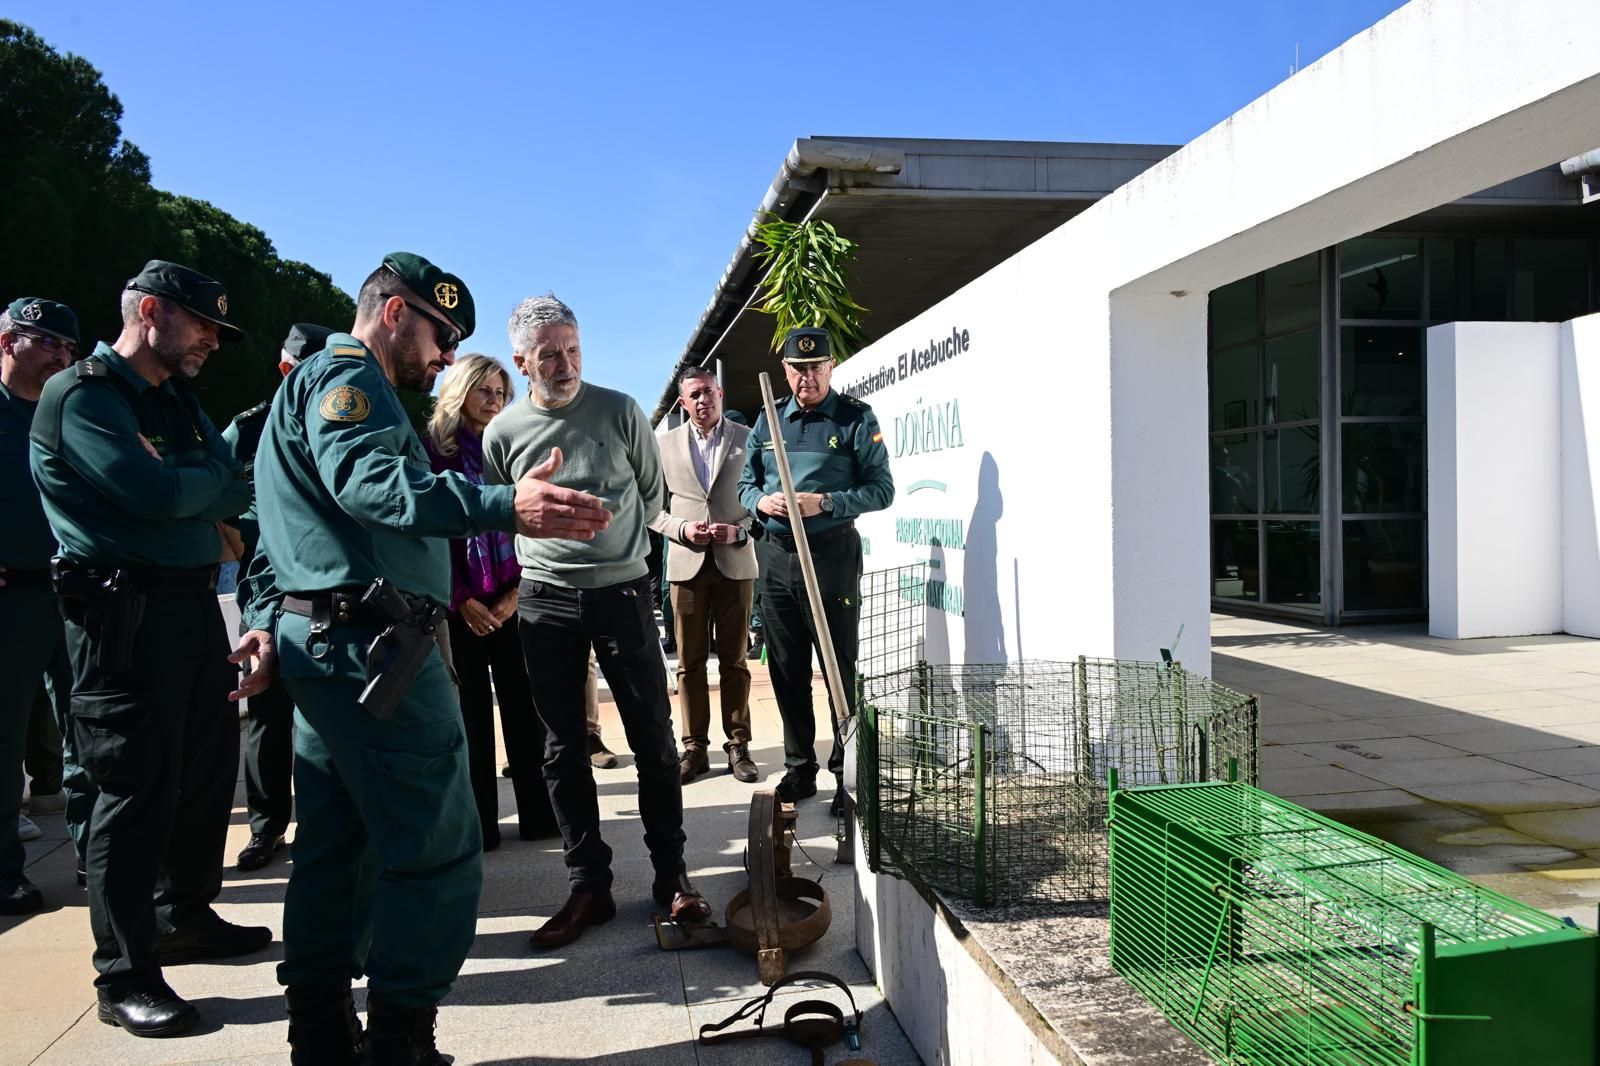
[
  {"x": 791, "y": 636},
  {"x": 161, "y": 741},
  {"x": 558, "y": 626},
  {"x": 477, "y": 659}
]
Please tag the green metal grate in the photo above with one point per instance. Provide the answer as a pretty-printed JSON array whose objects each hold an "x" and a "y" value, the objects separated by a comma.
[
  {"x": 989, "y": 782},
  {"x": 893, "y": 626},
  {"x": 1275, "y": 937}
]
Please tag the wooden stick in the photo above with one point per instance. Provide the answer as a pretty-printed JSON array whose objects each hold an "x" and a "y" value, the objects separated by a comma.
[{"x": 808, "y": 570}]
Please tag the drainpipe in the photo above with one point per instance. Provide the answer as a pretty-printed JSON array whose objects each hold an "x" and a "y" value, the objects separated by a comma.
[
  {"x": 800, "y": 184},
  {"x": 1586, "y": 168}
]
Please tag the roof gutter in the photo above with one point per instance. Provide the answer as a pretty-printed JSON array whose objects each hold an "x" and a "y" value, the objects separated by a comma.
[
  {"x": 1586, "y": 168},
  {"x": 801, "y": 183}
]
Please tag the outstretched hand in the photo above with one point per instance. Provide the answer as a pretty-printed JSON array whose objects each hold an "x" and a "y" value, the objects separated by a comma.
[
  {"x": 546, "y": 510},
  {"x": 260, "y": 662}
]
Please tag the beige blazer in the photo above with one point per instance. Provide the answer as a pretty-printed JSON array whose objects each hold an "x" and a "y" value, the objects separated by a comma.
[{"x": 688, "y": 502}]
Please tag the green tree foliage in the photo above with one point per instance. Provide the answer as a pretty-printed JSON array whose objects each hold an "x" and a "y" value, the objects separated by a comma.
[
  {"x": 81, "y": 217},
  {"x": 807, "y": 283}
]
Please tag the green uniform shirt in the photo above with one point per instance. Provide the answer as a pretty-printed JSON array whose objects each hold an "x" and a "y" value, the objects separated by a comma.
[
  {"x": 345, "y": 490},
  {"x": 108, "y": 501},
  {"x": 835, "y": 447},
  {"x": 243, "y": 435},
  {"x": 26, "y": 542}
]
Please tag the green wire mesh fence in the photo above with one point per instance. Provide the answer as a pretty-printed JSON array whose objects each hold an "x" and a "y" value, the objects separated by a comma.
[
  {"x": 1275, "y": 937},
  {"x": 989, "y": 782}
]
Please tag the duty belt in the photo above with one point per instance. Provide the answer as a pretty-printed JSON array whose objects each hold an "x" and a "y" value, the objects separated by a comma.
[
  {"x": 339, "y": 607},
  {"x": 815, "y": 540},
  {"x": 26, "y": 580},
  {"x": 153, "y": 580}
]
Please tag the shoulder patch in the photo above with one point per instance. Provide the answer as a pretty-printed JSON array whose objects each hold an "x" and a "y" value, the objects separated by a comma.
[
  {"x": 349, "y": 351},
  {"x": 345, "y": 403}
]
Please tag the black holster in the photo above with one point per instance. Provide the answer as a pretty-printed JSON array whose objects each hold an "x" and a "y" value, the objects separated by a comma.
[
  {"x": 396, "y": 654},
  {"x": 107, "y": 605}
]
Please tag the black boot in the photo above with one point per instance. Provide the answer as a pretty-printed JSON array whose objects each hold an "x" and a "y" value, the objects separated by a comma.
[
  {"x": 401, "y": 1036},
  {"x": 323, "y": 1028}
]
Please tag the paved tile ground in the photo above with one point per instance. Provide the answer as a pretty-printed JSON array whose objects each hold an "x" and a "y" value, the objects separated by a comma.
[
  {"x": 1482, "y": 755},
  {"x": 612, "y": 997}
]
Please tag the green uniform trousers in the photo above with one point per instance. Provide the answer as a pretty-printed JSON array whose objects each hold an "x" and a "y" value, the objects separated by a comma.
[
  {"x": 161, "y": 742},
  {"x": 388, "y": 855}
]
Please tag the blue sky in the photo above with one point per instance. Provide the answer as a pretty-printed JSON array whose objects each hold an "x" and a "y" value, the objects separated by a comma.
[{"x": 614, "y": 153}]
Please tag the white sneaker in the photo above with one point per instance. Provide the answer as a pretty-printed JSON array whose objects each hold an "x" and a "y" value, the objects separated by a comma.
[
  {"x": 49, "y": 803},
  {"x": 26, "y": 830}
]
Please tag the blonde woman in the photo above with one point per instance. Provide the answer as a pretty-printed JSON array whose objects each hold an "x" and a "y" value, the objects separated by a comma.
[{"x": 483, "y": 607}]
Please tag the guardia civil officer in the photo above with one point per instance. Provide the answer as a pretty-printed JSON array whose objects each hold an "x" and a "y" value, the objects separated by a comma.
[
  {"x": 134, "y": 478},
  {"x": 355, "y": 527},
  {"x": 269, "y": 734},
  {"x": 37, "y": 340},
  {"x": 841, "y": 469}
]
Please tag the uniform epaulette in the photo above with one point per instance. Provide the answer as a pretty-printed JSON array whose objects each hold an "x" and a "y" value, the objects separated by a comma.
[
  {"x": 349, "y": 351},
  {"x": 243, "y": 416},
  {"x": 92, "y": 367},
  {"x": 852, "y": 401}
]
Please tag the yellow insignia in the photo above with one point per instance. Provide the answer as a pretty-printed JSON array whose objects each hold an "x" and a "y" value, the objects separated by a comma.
[
  {"x": 345, "y": 404},
  {"x": 222, "y": 305},
  {"x": 833, "y": 442},
  {"x": 806, "y": 344},
  {"x": 349, "y": 350},
  {"x": 446, "y": 295}
]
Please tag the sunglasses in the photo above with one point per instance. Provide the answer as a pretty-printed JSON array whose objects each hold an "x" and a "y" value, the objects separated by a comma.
[
  {"x": 48, "y": 342},
  {"x": 446, "y": 336}
]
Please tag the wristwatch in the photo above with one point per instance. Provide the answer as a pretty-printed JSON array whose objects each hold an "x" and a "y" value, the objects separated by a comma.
[{"x": 827, "y": 503}]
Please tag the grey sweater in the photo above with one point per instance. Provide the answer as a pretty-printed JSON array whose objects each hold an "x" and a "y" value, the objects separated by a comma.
[{"x": 607, "y": 450}]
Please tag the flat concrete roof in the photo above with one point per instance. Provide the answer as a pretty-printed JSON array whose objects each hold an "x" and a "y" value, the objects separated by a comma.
[{"x": 931, "y": 215}]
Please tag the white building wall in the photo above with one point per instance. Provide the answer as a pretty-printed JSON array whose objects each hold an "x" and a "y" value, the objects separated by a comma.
[
  {"x": 1580, "y": 474},
  {"x": 1085, "y": 381},
  {"x": 1494, "y": 479}
]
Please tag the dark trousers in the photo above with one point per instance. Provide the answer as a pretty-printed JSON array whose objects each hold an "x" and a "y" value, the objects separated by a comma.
[
  {"x": 269, "y": 760},
  {"x": 791, "y": 636},
  {"x": 31, "y": 639},
  {"x": 477, "y": 659},
  {"x": 161, "y": 741},
  {"x": 708, "y": 604},
  {"x": 558, "y": 626},
  {"x": 43, "y": 758}
]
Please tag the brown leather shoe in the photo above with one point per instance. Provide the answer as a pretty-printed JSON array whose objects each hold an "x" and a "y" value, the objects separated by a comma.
[
  {"x": 682, "y": 902},
  {"x": 581, "y": 910},
  {"x": 692, "y": 763},
  {"x": 740, "y": 765}
]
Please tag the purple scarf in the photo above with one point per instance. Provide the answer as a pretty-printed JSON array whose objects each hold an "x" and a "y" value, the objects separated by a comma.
[{"x": 483, "y": 566}]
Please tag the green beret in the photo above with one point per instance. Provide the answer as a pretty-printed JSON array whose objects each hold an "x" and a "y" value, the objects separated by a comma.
[
  {"x": 201, "y": 296},
  {"x": 802, "y": 346},
  {"x": 305, "y": 339},
  {"x": 47, "y": 316},
  {"x": 439, "y": 289}
]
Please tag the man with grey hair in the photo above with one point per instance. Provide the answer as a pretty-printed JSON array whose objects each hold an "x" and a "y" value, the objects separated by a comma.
[{"x": 595, "y": 594}]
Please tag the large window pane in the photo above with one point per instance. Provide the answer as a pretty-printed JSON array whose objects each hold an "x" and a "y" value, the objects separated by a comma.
[
  {"x": 1293, "y": 377},
  {"x": 1380, "y": 370},
  {"x": 1444, "y": 280},
  {"x": 1232, "y": 313},
  {"x": 1383, "y": 467},
  {"x": 1233, "y": 474},
  {"x": 1383, "y": 565},
  {"x": 1294, "y": 563},
  {"x": 1235, "y": 560},
  {"x": 1292, "y": 470},
  {"x": 1551, "y": 282},
  {"x": 1380, "y": 277},
  {"x": 1233, "y": 388},
  {"x": 1488, "y": 287},
  {"x": 1293, "y": 298}
]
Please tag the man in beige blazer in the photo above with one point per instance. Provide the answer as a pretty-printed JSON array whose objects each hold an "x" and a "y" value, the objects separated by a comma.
[{"x": 711, "y": 566}]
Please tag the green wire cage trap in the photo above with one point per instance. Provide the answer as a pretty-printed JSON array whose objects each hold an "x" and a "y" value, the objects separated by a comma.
[{"x": 1275, "y": 937}]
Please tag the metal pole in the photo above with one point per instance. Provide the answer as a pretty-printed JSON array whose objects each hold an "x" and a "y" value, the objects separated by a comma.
[
  {"x": 980, "y": 810},
  {"x": 808, "y": 571}
]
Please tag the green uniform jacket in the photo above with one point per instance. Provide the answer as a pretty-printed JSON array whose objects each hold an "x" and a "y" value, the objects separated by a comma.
[
  {"x": 107, "y": 499},
  {"x": 26, "y": 542},
  {"x": 835, "y": 447},
  {"x": 243, "y": 435},
  {"x": 345, "y": 491}
]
